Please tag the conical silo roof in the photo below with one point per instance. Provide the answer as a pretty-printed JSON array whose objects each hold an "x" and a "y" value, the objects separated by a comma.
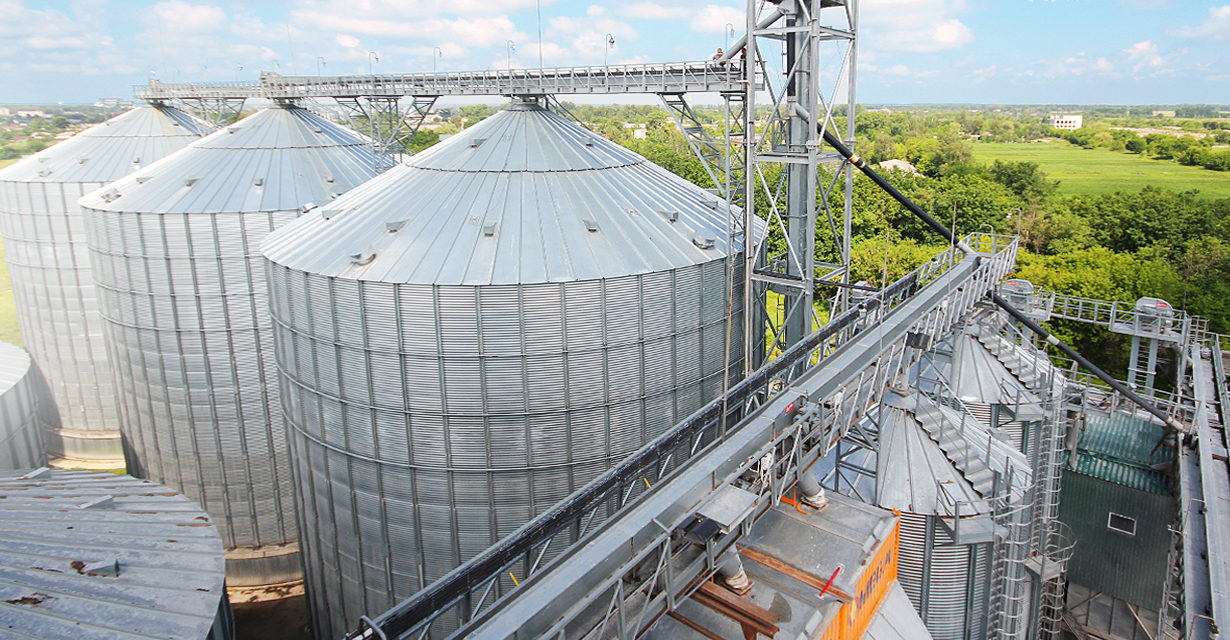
[
  {"x": 183, "y": 292},
  {"x": 523, "y": 197},
  {"x": 277, "y": 159},
  {"x": 45, "y": 246},
  {"x": 112, "y": 149}
]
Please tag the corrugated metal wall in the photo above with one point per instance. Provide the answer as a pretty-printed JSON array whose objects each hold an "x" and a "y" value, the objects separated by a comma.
[
  {"x": 428, "y": 421},
  {"x": 1131, "y": 568},
  {"x": 21, "y": 442},
  {"x": 183, "y": 292},
  {"x": 45, "y": 246},
  {"x": 947, "y": 583}
]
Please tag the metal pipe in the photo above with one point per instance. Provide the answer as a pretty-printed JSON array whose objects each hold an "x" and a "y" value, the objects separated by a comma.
[
  {"x": 730, "y": 569},
  {"x": 764, "y": 23},
  {"x": 858, "y": 162},
  {"x": 812, "y": 493}
]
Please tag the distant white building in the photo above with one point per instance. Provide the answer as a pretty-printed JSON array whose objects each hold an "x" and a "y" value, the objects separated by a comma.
[
  {"x": 899, "y": 165},
  {"x": 1066, "y": 122}
]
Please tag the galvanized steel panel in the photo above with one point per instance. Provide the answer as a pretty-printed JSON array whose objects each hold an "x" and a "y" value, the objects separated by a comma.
[
  {"x": 183, "y": 294},
  {"x": 45, "y": 246},
  {"x": 92, "y": 556},
  {"x": 459, "y": 351},
  {"x": 21, "y": 442}
]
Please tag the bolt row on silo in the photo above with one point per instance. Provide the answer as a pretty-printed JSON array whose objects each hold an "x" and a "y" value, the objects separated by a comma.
[
  {"x": 468, "y": 338},
  {"x": 21, "y": 397},
  {"x": 183, "y": 296},
  {"x": 45, "y": 246},
  {"x": 90, "y": 555}
]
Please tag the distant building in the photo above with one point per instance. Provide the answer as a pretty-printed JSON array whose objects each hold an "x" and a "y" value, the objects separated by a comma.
[
  {"x": 1066, "y": 122},
  {"x": 899, "y": 165},
  {"x": 640, "y": 134},
  {"x": 33, "y": 114},
  {"x": 5, "y": 111}
]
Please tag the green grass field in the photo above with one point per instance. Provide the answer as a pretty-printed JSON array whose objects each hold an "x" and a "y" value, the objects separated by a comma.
[
  {"x": 1096, "y": 171},
  {"x": 8, "y": 308}
]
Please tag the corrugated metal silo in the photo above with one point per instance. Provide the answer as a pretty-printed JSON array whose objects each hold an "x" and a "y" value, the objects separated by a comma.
[
  {"x": 944, "y": 566},
  {"x": 183, "y": 295},
  {"x": 21, "y": 438},
  {"x": 89, "y": 555},
  {"x": 45, "y": 246},
  {"x": 473, "y": 335}
]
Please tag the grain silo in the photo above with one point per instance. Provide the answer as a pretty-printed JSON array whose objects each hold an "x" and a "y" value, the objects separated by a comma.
[
  {"x": 21, "y": 438},
  {"x": 933, "y": 465},
  {"x": 473, "y": 335},
  {"x": 182, "y": 292},
  {"x": 49, "y": 262},
  {"x": 90, "y": 555}
]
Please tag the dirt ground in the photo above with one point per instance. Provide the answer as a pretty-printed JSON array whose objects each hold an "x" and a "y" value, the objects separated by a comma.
[{"x": 284, "y": 619}]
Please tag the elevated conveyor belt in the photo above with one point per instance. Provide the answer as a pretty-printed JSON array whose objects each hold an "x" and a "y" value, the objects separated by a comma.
[{"x": 668, "y": 77}]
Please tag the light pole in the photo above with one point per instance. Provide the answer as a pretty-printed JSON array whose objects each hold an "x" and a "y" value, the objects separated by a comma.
[
  {"x": 371, "y": 55},
  {"x": 320, "y": 62},
  {"x": 512, "y": 48},
  {"x": 435, "y": 51},
  {"x": 606, "y": 48},
  {"x": 730, "y": 33}
]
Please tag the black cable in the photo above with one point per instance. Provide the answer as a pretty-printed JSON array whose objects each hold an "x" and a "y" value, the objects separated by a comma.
[{"x": 858, "y": 162}]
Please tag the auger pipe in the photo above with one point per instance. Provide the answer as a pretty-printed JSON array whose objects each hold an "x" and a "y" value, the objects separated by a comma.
[
  {"x": 861, "y": 164},
  {"x": 770, "y": 18}
]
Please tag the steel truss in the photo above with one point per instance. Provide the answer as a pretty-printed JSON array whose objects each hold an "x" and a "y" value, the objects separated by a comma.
[
  {"x": 218, "y": 111},
  {"x": 387, "y": 123}
]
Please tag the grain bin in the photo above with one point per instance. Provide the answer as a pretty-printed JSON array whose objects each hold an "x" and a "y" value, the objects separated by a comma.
[
  {"x": 21, "y": 397},
  {"x": 45, "y": 246},
  {"x": 89, "y": 555},
  {"x": 946, "y": 557},
  {"x": 473, "y": 335},
  {"x": 183, "y": 295}
]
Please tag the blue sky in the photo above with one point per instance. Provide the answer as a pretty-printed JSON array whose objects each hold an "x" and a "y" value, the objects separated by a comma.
[{"x": 910, "y": 51}]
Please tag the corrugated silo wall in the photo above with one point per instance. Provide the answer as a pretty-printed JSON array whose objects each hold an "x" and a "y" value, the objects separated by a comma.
[
  {"x": 947, "y": 583},
  {"x": 428, "y": 421},
  {"x": 57, "y": 310},
  {"x": 185, "y": 302},
  {"x": 21, "y": 442}
]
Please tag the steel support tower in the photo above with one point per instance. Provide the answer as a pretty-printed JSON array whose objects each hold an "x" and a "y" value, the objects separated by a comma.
[{"x": 789, "y": 176}]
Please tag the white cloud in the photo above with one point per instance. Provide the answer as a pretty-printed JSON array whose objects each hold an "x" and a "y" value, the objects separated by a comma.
[
  {"x": 586, "y": 37},
  {"x": 714, "y": 18},
  {"x": 347, "y": 41},
  {"x": 655, "y": 11},
  {"x": 1215, "y": 27},
  {"x": 177, "y": 15},
  {"x": 914, "y": 26}
]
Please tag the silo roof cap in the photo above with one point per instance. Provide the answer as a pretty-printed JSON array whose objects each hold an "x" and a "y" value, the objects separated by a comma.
[{"x": 90, "y": 554}]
